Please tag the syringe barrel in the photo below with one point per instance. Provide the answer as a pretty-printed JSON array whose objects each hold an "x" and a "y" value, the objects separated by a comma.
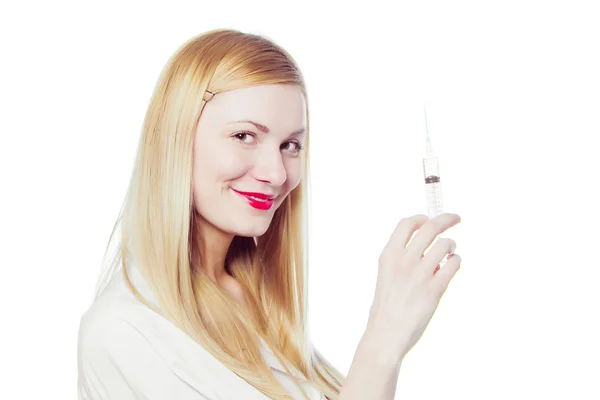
[
  {"x": 433, "y": 186},
  {"x": 433, "y": 196},
  {"x": 433, "y": 192}
]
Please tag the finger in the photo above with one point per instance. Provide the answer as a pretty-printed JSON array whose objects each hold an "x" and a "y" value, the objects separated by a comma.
[
  {"x": 430, "y": 230},
  {"x": 442, "y": 277},
  {"x": 405, "y": 228},
  {"x": 436, "y": 254}
]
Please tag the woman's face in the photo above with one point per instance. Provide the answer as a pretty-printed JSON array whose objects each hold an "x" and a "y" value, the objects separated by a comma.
[{"x": 232, "y": 156}]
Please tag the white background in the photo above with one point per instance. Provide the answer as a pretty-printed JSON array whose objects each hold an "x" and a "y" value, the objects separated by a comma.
[{"x": 513, "y": 98}]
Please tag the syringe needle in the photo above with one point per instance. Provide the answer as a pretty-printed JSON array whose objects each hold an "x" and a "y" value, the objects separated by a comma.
[
  {"x": 428, "y": 147},
  {"x": 425, "y": 111}
]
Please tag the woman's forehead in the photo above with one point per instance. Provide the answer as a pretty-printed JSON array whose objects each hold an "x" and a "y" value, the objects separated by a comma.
[{"x": 267, "y": 107}]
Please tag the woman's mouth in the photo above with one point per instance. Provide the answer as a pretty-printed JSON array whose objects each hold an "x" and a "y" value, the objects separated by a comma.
[{"x": 256, "y": 202}]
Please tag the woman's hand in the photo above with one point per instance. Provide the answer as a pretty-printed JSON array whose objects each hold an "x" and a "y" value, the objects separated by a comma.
[{"x": 410, "y": 284}]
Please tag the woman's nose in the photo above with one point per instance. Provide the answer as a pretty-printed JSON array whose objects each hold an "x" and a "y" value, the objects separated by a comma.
[{"x": 269, "y": 167}]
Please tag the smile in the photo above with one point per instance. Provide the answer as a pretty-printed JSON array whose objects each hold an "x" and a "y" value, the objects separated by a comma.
[{"x": 255, "y": 202}]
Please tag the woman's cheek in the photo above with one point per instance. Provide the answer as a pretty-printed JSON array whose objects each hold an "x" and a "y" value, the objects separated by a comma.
[{"x": 293, "y": 180}]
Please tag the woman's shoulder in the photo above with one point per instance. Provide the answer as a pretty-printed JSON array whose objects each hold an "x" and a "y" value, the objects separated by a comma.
[
  {"x": 122, "y": 343},
  {"x": 116, "y": 303},
  {"x": 118, "y": 320},
  {"x": 125, "y": 349}
]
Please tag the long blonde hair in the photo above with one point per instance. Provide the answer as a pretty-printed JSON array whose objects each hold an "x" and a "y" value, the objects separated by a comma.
[{"x": 157, "y": 223}]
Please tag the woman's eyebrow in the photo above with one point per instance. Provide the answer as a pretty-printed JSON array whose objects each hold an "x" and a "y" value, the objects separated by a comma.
[{"x": 264, "y": 128}]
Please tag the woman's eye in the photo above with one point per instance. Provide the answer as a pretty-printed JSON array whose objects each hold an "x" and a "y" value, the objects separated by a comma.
[
  {"x": 297, "y": 146},
  {"x": 243, "y": 135}
]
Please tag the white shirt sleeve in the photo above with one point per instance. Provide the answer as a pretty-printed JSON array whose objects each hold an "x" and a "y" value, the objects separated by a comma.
[{"x": 117, "y": 362}]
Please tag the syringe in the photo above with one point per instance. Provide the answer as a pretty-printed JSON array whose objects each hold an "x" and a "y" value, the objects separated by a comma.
[{"x": 433, "y": 183}]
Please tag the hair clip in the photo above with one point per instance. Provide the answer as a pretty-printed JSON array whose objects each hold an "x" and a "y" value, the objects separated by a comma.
[{"x": 208, "y": 95}]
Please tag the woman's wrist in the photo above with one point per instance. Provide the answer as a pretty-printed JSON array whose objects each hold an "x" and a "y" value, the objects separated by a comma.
[{"x": 376, "y": 347}]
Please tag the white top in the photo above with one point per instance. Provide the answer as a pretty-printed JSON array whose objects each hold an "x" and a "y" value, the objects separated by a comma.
[{"x": 126, "y": 351}]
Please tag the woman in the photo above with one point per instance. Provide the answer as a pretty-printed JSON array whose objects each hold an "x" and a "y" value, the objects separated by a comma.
[{"x": 211, "y": 302}]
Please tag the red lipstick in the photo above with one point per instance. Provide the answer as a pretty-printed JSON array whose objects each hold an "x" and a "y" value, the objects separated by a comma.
[{"x": 260, "y": 201}]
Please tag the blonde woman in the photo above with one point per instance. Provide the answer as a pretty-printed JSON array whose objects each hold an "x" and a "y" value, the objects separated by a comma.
[{"x": 205, "y": 296}]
